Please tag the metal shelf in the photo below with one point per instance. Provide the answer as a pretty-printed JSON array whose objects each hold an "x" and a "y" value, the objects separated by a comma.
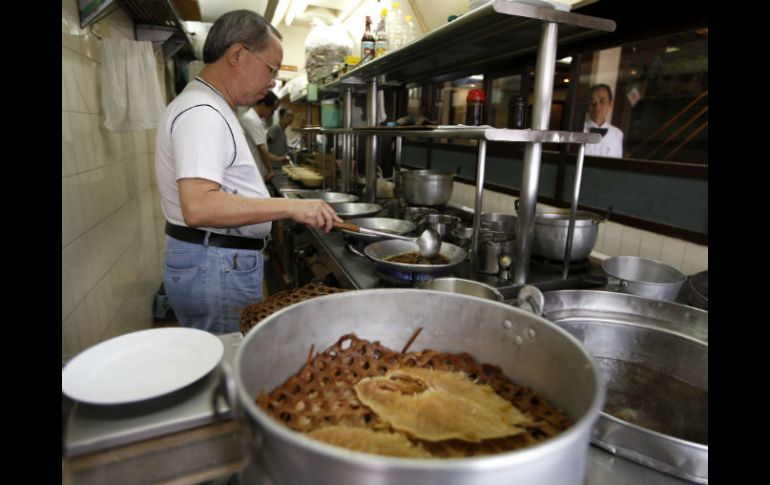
[
  {"x": 489, "y": 134},
  {"x": 490, "y": 35}
]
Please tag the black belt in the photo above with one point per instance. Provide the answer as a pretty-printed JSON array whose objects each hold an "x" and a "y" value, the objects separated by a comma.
[{"x": 196, "y": 236}]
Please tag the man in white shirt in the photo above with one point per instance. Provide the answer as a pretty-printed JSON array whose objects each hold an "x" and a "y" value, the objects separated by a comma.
[
  {"x": 253, "y": 123},
  {"x": 218, "y": 211},
  {"x": 599, "y": 107}
]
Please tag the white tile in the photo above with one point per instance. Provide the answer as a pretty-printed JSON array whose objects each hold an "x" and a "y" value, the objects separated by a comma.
[
  {"x": 696, "y": 258},
  {"x": 651, "y": 245},
  {"x": 68, "y": 160},
  {"x": 600, "y": 237},
  {"x": 672, "y": 252},
  {"x": 630, "y": 241},
  {"x": 70, "y": 339},
  {"x": 612, "y": 239},
  {"x": 96, "y": 327},
  {"x": 80, "y": 320}
]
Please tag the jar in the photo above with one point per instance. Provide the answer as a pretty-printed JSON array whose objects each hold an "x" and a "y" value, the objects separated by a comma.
[
  {"x": 474, "y": 107},
  {"x": 517, "y": 112}
]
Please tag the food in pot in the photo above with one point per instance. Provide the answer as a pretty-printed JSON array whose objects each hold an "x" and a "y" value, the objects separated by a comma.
[
  {"x": 322, "y": 399},
  {"x": 370, "y": 441},
  {"x": 437, "y": 405},
  {"x": 415, "y": 258}
]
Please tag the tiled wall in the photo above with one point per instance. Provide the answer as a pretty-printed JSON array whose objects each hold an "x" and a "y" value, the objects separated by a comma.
[
  {"x": 110, "y": 246},
  {"x": 613, "y": 240}
]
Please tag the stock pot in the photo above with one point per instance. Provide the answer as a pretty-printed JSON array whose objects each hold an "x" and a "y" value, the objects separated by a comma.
[{"x": 529, "y": 349}]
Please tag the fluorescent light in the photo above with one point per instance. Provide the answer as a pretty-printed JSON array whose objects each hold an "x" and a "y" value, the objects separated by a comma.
[
  {"x": 280, "y": 11},
  {"x": 296, "y": 8},
  {"x": 670, "y": 49},
  {"x": 565, "y": 60}
]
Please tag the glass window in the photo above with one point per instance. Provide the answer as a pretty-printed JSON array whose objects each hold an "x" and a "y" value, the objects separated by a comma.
[{"x": 660, "y": 95}]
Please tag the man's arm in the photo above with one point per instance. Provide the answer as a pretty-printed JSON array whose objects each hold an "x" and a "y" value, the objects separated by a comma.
[{"x": 205, "y": 205}]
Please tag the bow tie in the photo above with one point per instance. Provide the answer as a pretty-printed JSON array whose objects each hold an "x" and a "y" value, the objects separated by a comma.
[{"x": 601, "y": 131}]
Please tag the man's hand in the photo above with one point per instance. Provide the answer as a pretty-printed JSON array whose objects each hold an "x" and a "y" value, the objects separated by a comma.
[{"x": 315, "y": 213}]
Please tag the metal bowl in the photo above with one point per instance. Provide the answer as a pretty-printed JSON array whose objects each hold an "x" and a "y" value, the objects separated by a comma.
[
  {"x": 380, "y": 251},
  {"x": 330, "y": 197},
  {"x": 550, "y": 235},
  {"x": 698, "y": 286},
  {"x": 346, "y": 210},
  {"x": 463, "y": 286},
  {"x": 384, "y": 224},
  {"x": 653, "y": 357}
]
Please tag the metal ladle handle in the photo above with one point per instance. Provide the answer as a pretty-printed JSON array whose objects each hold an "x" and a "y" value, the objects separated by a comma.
[{"x": 363, "y": 230}]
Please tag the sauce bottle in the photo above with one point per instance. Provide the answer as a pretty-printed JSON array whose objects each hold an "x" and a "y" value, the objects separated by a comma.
[{"x": 474, "y": 107}]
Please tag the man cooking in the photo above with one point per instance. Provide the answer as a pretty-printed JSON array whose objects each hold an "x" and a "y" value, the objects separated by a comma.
[{"x": 217, "y": 208}]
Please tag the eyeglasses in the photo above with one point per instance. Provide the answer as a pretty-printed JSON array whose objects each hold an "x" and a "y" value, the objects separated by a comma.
[{"x": 273, "y": 69}]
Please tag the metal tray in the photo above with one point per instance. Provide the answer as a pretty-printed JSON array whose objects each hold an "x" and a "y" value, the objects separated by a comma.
[{"x": 653, "y": 357}]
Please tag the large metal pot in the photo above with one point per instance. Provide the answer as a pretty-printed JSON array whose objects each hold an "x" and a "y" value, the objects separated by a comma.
[
  {"x": 698, "y": 286},
  {"x": 443, "y": 224},
  {"x": 529, "y": 349},
  {"x": 653, "y": 357},
  {"x": 550, "y": 234},
  {"x": 427, "y": 187},
  {"x": 644, "y": 277},
  {"x": 492, "y": 245}
]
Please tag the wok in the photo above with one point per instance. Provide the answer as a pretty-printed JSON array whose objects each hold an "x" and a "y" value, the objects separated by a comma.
[
  {"x": 346, "y": 210},
  {"x": 380, "y": 251},
  {"x": 383, "y": 224},
  {"x": 330, "y": 197}
]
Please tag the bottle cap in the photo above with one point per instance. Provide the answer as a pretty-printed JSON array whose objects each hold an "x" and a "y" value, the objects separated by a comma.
[{"x": 475, "y": 95}]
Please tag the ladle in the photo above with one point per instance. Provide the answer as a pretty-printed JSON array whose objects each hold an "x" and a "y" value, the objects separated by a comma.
[{"x": 429, "y": 242}]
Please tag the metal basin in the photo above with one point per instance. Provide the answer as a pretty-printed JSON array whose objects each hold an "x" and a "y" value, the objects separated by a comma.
[
  {"x": 550, "y": 235},
  {"x": 698, "y": 284},
  {"x": 653, "y": 357},
  {"x": 463, "y": 286},
  {"x": 644, "y": 277},
  {"x": 380, "y": 251},
  {"x": 330, "y": 197},
  {"x": 529, "y": 349},
  {"x": 384, "y": 224},
  {"x": 347, "y": 210},
  {"x": 427, "y": 187}
]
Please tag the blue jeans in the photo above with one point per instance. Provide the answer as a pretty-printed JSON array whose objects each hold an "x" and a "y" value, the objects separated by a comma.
[{"x": 208, "y": 286}]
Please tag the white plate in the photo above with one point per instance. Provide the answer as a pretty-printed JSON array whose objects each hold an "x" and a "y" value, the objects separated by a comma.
[{"x": 141, "y": 365}]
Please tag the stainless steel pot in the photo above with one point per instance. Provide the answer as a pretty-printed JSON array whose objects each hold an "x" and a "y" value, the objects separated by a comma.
[
  {"x": 500, "y": 222},
  {"x": 653, "y": 357},
  {"x": 529, "y": 349},
  {"x": 492, "y": 245},
  {"x": 427, "y": 187},
  {"x": 462, "y": 286},
  {"x": 383, "y": 224},
  {"x": 644, "y": 277},
  {"x": 380, "y": 251},
  {"x": 550, "y": 234}
]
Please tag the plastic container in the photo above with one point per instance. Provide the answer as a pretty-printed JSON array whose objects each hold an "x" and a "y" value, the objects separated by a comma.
[
  {"x": 330, "y": 114},
  {"x": 474, "y": 107}
]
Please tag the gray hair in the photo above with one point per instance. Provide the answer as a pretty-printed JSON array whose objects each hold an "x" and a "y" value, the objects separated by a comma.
[{"x": 244, "y": 26}]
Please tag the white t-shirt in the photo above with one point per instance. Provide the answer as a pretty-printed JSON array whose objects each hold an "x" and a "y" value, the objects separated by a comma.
[
  {"x": 256, "y": 134},
  {"x": 198, "y": 136},
  {"x": 611, "y": 144}
]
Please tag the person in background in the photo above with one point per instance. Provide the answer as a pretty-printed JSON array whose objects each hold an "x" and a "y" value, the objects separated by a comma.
[
  {"x": 276, "y": 134},
  {"x": 253, "y": 123},
  {"x": 599, "y": 107},
  {"x": 218, "y": 211}
]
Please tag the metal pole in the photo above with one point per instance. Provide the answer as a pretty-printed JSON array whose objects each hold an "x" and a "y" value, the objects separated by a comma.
[
  {"x": 541, "y": 108},
  {"x": 347, "y": 140},
  {"x": 371, "y": 145},
  {"x": 334, "y": 162},
  {"x": 573, "y": 210},
  {"x": 397, "y": 172},
  {"x": 480, "y": 164}
]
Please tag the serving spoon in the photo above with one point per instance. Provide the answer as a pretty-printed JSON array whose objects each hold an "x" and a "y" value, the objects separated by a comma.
[{"x": 429, "y": 242}]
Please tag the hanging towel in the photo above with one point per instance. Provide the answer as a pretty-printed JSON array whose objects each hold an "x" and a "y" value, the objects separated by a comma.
[{"x": 131, "y": 96}]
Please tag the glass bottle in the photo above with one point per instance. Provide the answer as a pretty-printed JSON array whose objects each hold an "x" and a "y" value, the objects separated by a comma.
[
  {"x": 367, "y": 42},
  {"x": 381, "y": 41},
  {"x": 474, "y": 107}
]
